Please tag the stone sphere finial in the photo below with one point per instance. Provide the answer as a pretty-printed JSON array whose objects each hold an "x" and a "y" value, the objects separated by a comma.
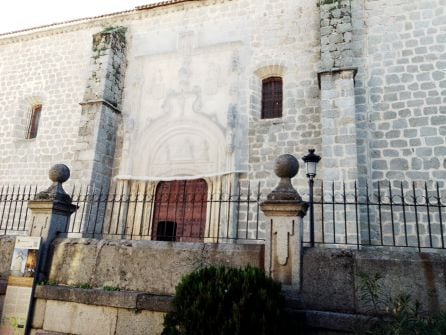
[
  {"x": 59, "y": 173},
  {"x": 286, "y": 166}
]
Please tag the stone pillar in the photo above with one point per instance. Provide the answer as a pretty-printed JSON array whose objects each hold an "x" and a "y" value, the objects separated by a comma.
[
  {"x": 285, "y": 210},
  {"x": 339, "y": 147},
  {"x": 101, "y": 110},
  {"x": 50, "y": 213},
  {"x": 336, "y": 80}
]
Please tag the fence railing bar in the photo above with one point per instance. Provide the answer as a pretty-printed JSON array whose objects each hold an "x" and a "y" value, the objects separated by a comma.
[
  {"x": 403, "y": 204},
  {"x": 98, "y": 203},
  {"x": 143, "y": 211},
  {"x": 151, "y": 213},
  {"x": 118, "y": 219},
  {"x": 17, "y": 195},
  {"x": 380, "y": 215},
  {"x": 258, "y": 210},
  {"x": 428, "y": 214},
  {"x": 203, "y": 213},
  {"x": 356, "y": 216},
  {"x": 134, "y": 210},
  {"x": 391, "y": 213},
  {"x": 211, "y": 202},
  {"x": 2, "y": 197},
  {"x": 334, "y": 212},
  {"x": 368, "y": 213},
  {"x": 322, "y": 213},
  {"x": 439, "y": 215},
  {"x": 177, "y": 208},
  {"x": 247, "y": 214},
  {"x": 70, "y": 225},
  {"x": 9, "y": 208},
  {"x": 90, "y": 209},
  {"x": 235, "y": 233},
  {"x": 22, "y": 201},
  {"x": 219, "y": 213},
  {"x": 113, "y": 201},
  {"x": 229, "y": 211},
  {"x": 127, "y": 206},
  {"x": 344, "y": 200},
  {"x": 416, "y": 216}
]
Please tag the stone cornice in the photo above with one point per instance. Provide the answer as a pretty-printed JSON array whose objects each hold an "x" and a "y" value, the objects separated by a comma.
[{"x": 100, "y": 21}]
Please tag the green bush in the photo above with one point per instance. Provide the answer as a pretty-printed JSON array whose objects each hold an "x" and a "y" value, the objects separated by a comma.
[
  {"x": 226, "y": 301},
  {"x": 398, "y": 315}
]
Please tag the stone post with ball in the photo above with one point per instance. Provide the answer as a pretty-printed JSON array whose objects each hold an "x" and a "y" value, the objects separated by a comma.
[{"x": 50, "y": 214}]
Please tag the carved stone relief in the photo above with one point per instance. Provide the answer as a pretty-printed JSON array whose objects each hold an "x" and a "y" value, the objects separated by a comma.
[{"x": 186, "y": 117}]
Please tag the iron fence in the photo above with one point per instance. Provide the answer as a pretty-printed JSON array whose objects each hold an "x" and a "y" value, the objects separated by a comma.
[
  {"x": 385, "y": 214},
  {"x": 214, "y": 213},
  {"x": 14, "y": 212}
]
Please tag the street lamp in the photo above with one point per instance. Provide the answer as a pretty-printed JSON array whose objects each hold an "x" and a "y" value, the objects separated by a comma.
[{"x": 311, "y": 161}]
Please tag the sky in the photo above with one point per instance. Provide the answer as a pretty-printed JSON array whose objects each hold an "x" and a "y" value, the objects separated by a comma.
[{"x": 23, "y": 14}]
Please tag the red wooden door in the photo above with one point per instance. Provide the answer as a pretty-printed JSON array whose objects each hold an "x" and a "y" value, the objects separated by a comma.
[{"x": 180, "y": 211}]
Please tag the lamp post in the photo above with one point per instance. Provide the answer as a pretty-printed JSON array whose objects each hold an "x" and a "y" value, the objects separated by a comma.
[{"x": 311, "y": 161}]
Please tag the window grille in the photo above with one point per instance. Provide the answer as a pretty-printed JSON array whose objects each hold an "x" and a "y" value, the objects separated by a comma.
[{"x": 272, "y": 98}]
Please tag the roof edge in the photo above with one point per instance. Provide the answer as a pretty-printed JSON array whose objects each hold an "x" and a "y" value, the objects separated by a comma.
[{"x": 90, "y": 18}]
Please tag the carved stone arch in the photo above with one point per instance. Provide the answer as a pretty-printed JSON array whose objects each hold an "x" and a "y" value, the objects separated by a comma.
[
  {"x": 271, "y": 70},
  {"x": 191, "y": 146}
]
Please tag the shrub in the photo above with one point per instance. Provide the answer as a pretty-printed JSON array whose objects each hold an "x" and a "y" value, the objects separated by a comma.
[
  {"x": 398, "y": 315},
  {"x": 226, "y": 301}
]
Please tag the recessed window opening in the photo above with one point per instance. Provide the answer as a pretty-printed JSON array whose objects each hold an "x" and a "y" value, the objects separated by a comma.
[
  {"x": 272, "y": 96},
  {"x": 166, "y": 231},
  {"x": 34, "y": 121}
]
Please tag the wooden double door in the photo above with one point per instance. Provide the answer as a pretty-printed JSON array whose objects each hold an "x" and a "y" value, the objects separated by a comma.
[{"x": 180, "y": 211}]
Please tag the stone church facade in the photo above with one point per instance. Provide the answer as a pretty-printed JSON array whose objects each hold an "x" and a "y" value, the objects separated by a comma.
[{"x": 174, "y": 91}]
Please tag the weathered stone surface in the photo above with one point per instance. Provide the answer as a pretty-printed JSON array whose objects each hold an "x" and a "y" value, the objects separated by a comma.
[
  {"x": 6, "y": 251},
  {"x": 139, "y": 322},
  {"x": 331, "y": 278},
  {"x": 156, "y": 303},
  {"x": 99, "y": 297},
  {"x": 72, "y": 318},
  {"x": 38, "y": 314},
  {"x": 328, "y": 280},
  {"x": 149, "y": 266}
]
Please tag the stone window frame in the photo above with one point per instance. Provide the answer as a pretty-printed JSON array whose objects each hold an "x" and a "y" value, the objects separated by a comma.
[
  {"x": 22, "y": 118},
  {"x": 262, "y": 73},
  {"x": 34, "y": 120}
]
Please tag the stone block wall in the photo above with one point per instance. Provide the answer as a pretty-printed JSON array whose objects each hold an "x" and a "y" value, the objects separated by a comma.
[
  {"x": 399, "y": 50},
  {"x": 48, "y": 69},
  {"x": 87, "y": 311},
  {"x": 331, "y": 278},
  {"x": 295, "y": 56},
  {"x": 147, "y": 266},
  {"x": 336, "y": 34}
]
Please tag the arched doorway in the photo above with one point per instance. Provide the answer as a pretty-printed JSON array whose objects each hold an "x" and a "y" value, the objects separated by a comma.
[{"x": 180, "y": 211}]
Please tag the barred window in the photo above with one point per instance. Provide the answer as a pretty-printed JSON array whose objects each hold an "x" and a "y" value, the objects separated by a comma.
[
  {"x": 34, "y": 121},
  {"x": 272, "y": 98}
]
